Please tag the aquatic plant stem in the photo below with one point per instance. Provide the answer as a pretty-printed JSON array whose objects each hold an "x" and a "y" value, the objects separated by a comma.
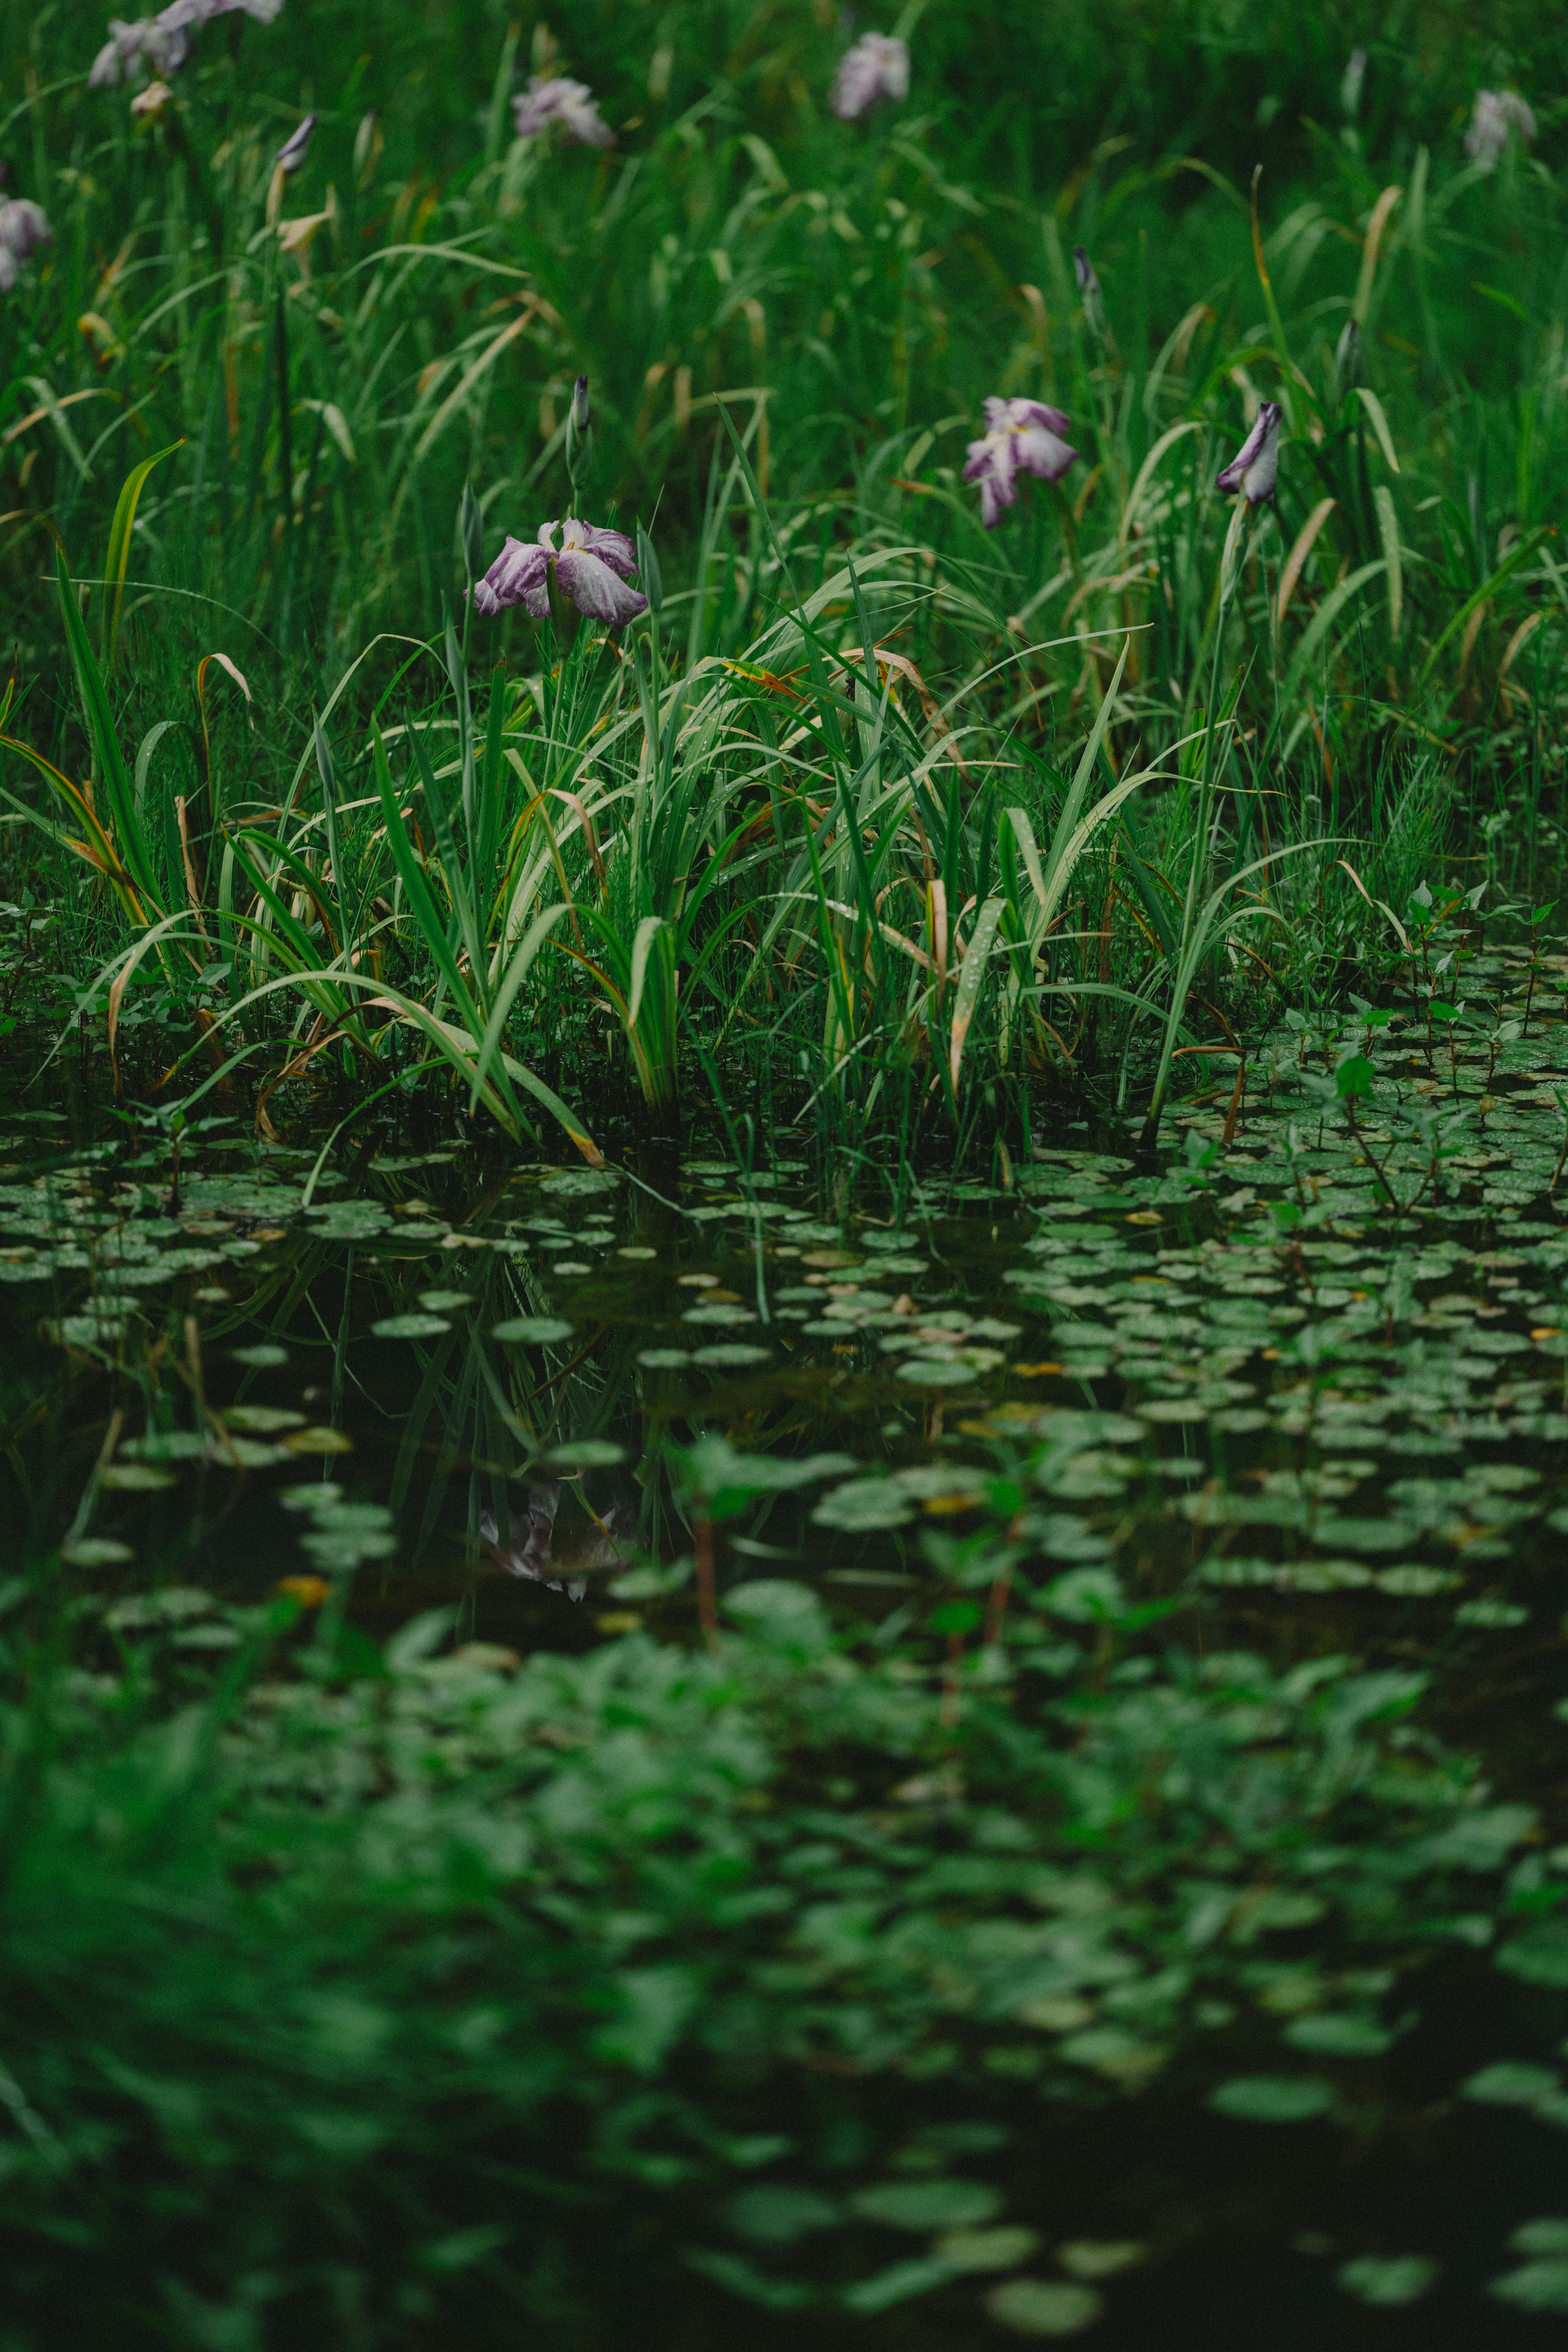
[
  {"x": 707, "y": 1595},
  {"x": 1198, "y": 865}
]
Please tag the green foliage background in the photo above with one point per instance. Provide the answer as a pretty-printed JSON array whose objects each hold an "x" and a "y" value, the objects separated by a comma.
[{"x": 322, "y": 2028}]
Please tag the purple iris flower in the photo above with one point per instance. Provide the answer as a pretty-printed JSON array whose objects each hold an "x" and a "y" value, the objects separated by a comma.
[
  {"x": 572, "y": 104},
  {"x": 878, "y": 67},
  {"x": 179, "y": 14},
  {"x": 1254, "y": 469},
  {"x": 1021, "y": 436},
  {"x": 162, "y": 42},
  {"x": 24, "y": 226},
  {"x": 591, "y": 567},
  {"x": 1088, "y": 290},
  {"x": 164, "y": 48},
  {"x": 292, "y": 152},
  {"x": 1497, "y": 112}
]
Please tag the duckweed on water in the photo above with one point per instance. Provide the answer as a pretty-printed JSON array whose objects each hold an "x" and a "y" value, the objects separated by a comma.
[{"x": 1103, "y": 1741}]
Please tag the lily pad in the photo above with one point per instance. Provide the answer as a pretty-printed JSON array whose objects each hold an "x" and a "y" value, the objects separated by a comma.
[
  {"x": 136, "y": 1478},
  {"x": 1414, "y": 1582},
  {"x": 1491, "y": 1614},
  {"x": 1513, "y": 2084},
  {"x": 410, "y": 1327},
  {"x": 584, "y": 1453},
  {"x": 779, "y": 2213},
  {"x": 986, "y": 2249},
  {"x": 864, "y": 1504},
  {"x": 261, "y": 1420},
  {"x": 1100, "y": 2258},
  {"x": 249, "y": 1454},
  {"x": 1536, "y": 2286},
  {"x": 96, "y": 1551},
  {"x": 1272, "y": 2098},
  {"x": 1548, "y": 2236},
  {"x": 1325, "y": 2034},
  {"x": 1387, "y": 2281},
  {"x": 1043, "y": 2307},
  {"x": 941, "y": 2204},
  {"x": 533, "y": 1330},
  {"x": 167, "y": 1445}
]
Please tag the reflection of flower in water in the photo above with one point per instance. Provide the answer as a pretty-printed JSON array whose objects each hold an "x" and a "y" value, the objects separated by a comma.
[{"x": 604, "y": 1543}]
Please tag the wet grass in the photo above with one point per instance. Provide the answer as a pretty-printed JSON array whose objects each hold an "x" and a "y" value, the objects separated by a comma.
[{"x": 832, "y": 827}]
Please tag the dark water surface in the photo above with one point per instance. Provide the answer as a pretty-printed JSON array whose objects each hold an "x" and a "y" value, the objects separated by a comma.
[{"x": 1256, "y": 1411}]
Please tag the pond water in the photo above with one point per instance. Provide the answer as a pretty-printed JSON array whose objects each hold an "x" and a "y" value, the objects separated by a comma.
[{"x": 1287, "y": 1411}]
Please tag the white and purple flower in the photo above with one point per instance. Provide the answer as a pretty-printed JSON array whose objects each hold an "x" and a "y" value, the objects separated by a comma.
[
  {"x": 591, "y": 568},
  {"x": 1021, "y": 436},
  {"x": 1254, "y": 469},
  {"x": 1497, "y": 112},
  {"x": 24, "y": 226},
  {"x": 161, "y": 43},
  {"x": 194, "y": 14},
  {"x": 572, "y": 104},
  {"x": 878, "y": 67},
  {"x": 295, "y": 148},
  {"x": 163, "y": 48},
  {"x": 1089, "y": 291}
]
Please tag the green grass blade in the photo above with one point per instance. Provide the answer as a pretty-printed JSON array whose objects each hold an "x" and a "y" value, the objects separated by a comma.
[
  {"x": 117, "y": 559},
  {"x": 102, "y": 733}
]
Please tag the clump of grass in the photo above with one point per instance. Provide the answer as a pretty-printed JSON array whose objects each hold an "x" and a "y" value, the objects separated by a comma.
[{"x": 785, "y": 828}]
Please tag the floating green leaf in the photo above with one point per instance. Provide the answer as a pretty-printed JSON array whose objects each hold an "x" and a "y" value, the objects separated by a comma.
[
  {"x": 1387, "y": 2281},
  {"x": 779, "y": 2213},
  {"x": 1043, "y": 2307},
  {"x": 1272, "y": 2098},
  {"x": 939, "y": 2204},
  {"x": 986, "y": 2249}
]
